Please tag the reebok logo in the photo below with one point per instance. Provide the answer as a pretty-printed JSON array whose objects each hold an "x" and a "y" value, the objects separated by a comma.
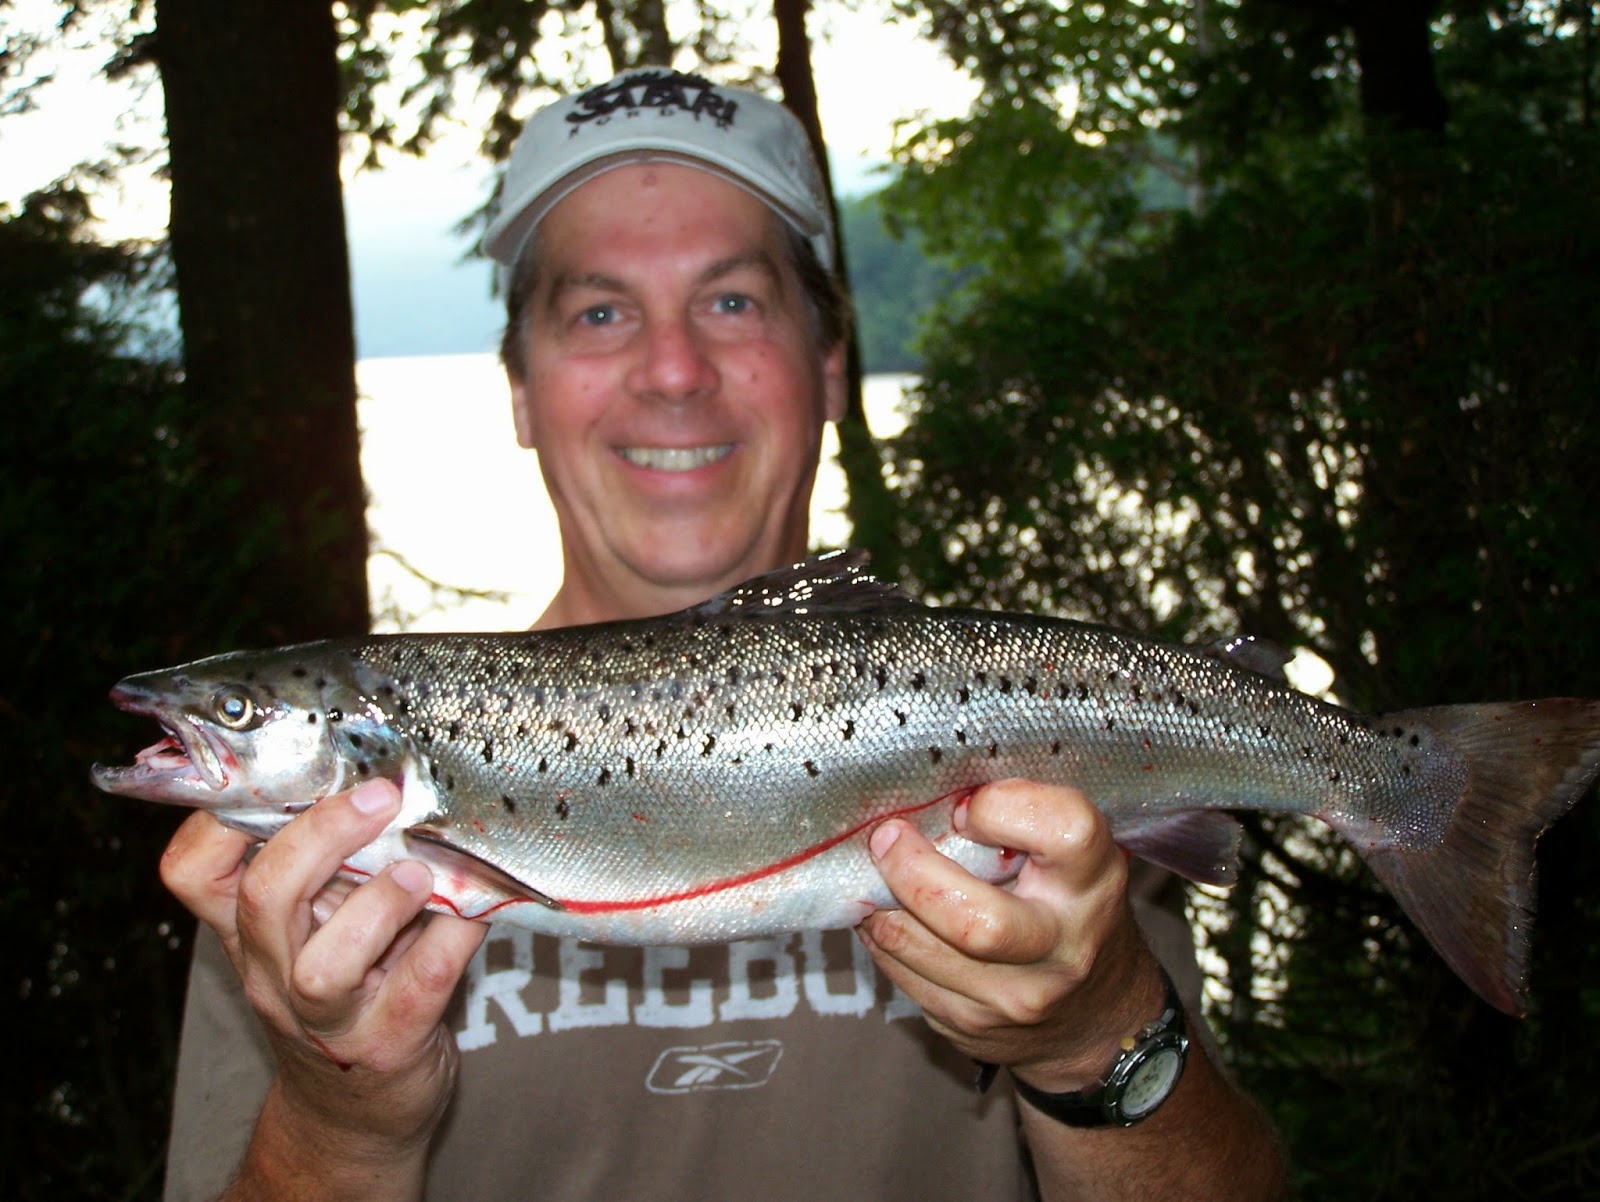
[{"x": 740, "y": 1065}]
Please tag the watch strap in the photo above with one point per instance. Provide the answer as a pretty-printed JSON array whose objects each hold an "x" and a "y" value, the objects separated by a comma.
[{"x": 1099, "y": 1107}]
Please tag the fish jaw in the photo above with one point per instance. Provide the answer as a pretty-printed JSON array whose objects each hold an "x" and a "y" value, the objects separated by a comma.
[
  {"x": 254, "y": 778},
  {"x": 188, "y": 766}
]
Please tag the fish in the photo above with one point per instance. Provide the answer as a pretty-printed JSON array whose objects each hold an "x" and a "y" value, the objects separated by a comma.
[{"x": 715, "y": 774}]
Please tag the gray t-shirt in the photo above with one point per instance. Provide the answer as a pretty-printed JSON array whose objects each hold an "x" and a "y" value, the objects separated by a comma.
[{"x": 782, "y": 1069}]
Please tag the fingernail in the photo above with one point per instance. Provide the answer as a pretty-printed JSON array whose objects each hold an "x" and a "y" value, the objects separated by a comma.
[
  {"x": 413, "y": 877},
  {"x": 371, "y": 798},
  {"x": 958, "y": 816},
  {"x": 883, "y": 839}
]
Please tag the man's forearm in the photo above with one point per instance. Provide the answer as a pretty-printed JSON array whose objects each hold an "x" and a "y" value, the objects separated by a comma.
[
  {"x": 291, "y": 1157},
  {"x": 1208, "y": 1141}
]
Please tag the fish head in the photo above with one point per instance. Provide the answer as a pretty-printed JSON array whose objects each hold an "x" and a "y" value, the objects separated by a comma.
[{"x": 250, "y": 736}]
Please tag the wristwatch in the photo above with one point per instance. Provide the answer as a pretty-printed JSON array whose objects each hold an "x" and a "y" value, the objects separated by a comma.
[{"x": 1146, "y": 1072}]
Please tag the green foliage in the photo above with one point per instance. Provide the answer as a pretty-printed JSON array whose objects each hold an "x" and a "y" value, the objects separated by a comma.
[
  {"x": 894, "y": 285},
  {"x": 107, "y": 528},
  {"x": 1344, "y": 402}
]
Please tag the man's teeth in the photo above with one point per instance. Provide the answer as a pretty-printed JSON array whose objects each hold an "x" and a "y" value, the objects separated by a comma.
[{"x": 674, "y": 459}]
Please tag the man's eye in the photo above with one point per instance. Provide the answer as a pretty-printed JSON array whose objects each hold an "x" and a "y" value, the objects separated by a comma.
[
  {"x": 598, "y": 315},
  {"x": 733, "y": 302}
]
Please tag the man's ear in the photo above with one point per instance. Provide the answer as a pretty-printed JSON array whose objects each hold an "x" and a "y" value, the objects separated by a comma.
[
  {"x": 522, "y": 412},
  {"x": 835, "y": 383}
]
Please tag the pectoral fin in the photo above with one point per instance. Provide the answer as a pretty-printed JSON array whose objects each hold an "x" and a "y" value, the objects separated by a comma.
[{"x": 451, "y": 861}]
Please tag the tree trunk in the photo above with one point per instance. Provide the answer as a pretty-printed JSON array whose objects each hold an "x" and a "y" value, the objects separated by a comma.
[
  {"x": 871, "y": 506},
  {"x": 257, "y": 230}
]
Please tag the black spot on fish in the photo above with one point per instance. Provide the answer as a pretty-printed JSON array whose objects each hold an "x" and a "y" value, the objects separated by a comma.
[
  {"x": 994, "y": 749},
  {"x": 796, "y": 710},
  {"x": 963, "y": 695},
  {"x": 880, "y": 676},
  {"x": 1416, "y": 741},
  {"x": 488, "y": 751},
  {"x": 449, "y": 782},
  {"x": 312, "y": 719},
  {"x": 661, "y": 748},
  {"x": 299, "y": 672},
  {"x": 849, "y": 728},
  {"x": 817, "y": 672},
  {"x": 1110, "y": 723},
  {"x": 1333, "y": 775},
  {"x": 711, "y": 741},
  {"x": 605, "y": 776},
  {"x": 981, "y": 677},
  {"x": 961, "y": 737},
  {"x": 1405, "y": 769},
  {"x": 1031, "y": 685},
  {"x": 562, "y": 808},
  {"x": 628, "y": 766},
  {"x": 918, "y": 679},
  {"x": 1137, "y": 692},
  {"x": 1264, "y": 731},
  {"x": 631, "y": 727},
  {"x": 363, "y": 767},
  {"x": 510, "y": 806},
  {"x": 935, "y": 754},
  {"x": 1055, "y": 748},
  {"x": 730, "y": 709},
  {"x": 454, "y": 731},
  {"x": 1083, "y": 691},
  {"x": 901, "y": 714},
  {"x": 544, "y": 764},
  {"x": 572, "y": 741},
  {"x": 812, "y": 769}
]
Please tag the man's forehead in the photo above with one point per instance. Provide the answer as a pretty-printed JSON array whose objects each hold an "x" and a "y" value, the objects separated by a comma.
[{"x": 592, "y": 233}]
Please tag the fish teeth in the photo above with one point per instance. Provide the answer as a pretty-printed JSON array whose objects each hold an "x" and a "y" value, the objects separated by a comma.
[{"x": 674, "y": 459}]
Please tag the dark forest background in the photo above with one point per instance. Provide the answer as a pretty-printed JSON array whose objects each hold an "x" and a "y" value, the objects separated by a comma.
[{"x": 1247, "y": 316}]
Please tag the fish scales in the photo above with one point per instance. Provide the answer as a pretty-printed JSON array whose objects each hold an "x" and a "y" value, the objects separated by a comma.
[{"x": 715, "y": 774}]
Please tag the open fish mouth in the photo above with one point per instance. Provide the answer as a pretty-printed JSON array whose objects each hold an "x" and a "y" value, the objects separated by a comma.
[{"x": 183, "y": 766}]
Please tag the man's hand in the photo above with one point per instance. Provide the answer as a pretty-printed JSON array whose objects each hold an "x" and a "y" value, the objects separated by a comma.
[
  {"x": 1047, "y": 976},
  {"x": 351, "y": 982}
]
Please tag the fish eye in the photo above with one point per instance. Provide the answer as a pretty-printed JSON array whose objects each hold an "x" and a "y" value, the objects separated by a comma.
[{"x": 234, "y": 708}]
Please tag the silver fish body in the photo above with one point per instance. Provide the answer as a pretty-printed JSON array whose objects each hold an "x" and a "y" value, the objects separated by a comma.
[{"x": 715, "y": 774}]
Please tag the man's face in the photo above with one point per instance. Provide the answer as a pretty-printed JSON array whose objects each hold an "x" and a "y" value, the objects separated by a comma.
[{"x": 674, "y": 390}]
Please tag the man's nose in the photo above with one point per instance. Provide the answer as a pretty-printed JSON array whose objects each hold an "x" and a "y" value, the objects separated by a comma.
[{"x": 673, "y": 363}]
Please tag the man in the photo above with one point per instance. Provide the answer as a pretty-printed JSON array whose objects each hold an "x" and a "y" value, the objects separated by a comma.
[{"x": 674, "y": 345}]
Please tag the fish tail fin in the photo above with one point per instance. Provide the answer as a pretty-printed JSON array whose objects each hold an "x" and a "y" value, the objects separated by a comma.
[{"x": 1472, "y": 893}]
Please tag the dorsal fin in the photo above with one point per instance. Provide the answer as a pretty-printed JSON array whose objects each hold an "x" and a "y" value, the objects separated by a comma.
[
  {"x": 836, "y": 581},
  {"x": 1261, "y": 656}
]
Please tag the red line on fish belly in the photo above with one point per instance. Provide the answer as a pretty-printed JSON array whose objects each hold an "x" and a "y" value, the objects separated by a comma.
[{"x": 800, "y": 857}]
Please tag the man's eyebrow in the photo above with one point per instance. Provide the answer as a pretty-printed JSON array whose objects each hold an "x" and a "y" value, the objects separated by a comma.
[
  {"x": 758, "y": 259},
  {"x": 564, "y": 283}
]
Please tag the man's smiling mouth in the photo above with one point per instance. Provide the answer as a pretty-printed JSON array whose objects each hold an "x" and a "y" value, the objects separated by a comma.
[{"x": 674, "y": 459}]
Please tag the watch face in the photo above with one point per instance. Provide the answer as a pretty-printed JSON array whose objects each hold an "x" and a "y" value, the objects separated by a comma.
[{"x": 1150, "y": 1082}]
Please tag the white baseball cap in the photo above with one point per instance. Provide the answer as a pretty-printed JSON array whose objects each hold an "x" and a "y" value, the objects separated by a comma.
[{"x": 661, "y": 115}]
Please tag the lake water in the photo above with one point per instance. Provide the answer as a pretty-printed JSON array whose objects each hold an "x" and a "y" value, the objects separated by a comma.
[{"x": 452, "y": 495}]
